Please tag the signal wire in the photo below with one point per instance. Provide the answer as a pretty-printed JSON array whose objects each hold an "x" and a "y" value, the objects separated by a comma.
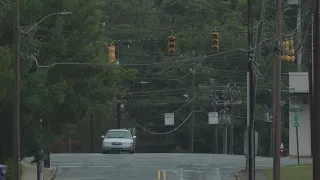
[{"x": 157, "y": 133}]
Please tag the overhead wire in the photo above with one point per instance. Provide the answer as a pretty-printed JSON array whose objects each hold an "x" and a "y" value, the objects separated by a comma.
[{"x": 159, "y": 133}]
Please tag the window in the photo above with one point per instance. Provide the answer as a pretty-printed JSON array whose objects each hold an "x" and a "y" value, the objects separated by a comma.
[{"x": 118, "y": 134}]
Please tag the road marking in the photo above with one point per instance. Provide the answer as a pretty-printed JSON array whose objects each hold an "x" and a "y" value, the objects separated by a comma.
[
  {"x": 102, "y": 166},
  {"x": 186, "y": 170},
  {"x": 146, "y": 166},
  {"x": 218, "y": 174},
  {"x": 163, "y": 172},
  {"x": 201, "y": 164},
  {"x": 68, "y": 166},
  {"x": 68, "y": 163},
  {"x": 89, "y": 166},
  {"x": 91, "y": 178}
]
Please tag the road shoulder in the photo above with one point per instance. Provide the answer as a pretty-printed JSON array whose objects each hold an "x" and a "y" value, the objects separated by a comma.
[
  {"x": 242, "y": 175},
  {"x": 30, "y": 172}
]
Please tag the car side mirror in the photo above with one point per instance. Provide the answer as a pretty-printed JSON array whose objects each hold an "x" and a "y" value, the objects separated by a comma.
[
  {"x": 134, "y": 137},
  {"x": 102, "y": 137}
]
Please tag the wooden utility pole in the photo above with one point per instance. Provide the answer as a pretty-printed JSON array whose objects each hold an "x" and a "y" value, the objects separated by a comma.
[
  {"x": 277, "y": 94},
  {"x": 16, "y": 100},
  {"x": 315, "y": 130},
  {"x": 92, "y": 134},
  {"x": 310, "y": 70},
  {"x": 192, "y": 122},
  {"x": 250, "y": 97},
  {"x": 118, "y": 111}
]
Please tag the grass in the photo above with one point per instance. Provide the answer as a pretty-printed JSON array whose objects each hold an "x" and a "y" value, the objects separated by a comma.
[{"x": 297, "y": 172}]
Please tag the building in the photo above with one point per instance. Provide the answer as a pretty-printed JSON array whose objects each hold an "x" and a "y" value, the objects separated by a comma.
[{"x": 299, "y": 90}]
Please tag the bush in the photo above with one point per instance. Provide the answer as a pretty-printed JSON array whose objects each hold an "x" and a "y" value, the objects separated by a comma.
[{"x": 9, "y": 165}]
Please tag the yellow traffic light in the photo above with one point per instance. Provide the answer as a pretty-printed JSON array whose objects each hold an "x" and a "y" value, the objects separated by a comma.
[
  {"x": 284, "y": 57},
  {"x": 291, "y": 43},
  {"x": 215, "y": 41},
  {"x": 111, "y": 54},
  {"x": 287, "y": 50},
  {"x": 171, "y": 45},
  {"x": 291, "y": 51}
]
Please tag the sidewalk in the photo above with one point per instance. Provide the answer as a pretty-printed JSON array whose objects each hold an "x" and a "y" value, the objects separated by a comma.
[
  {"x": 30, "y": 172},
  {"x": 242, "y": 175}
]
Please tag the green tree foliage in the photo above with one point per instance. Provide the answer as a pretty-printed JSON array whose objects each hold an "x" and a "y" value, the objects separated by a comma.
[
  {"x": 73, "y": 79},
  {"x": 73, "y": 82}
]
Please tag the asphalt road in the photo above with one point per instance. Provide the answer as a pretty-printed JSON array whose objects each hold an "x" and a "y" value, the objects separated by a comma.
[{"x": 146, "y": 166}]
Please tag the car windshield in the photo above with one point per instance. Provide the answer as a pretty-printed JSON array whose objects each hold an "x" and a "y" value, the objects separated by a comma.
[{"x": 118, "y": 134}]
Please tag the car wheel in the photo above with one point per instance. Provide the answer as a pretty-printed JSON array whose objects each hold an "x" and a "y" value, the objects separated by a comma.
[
  {"x": 104, "y": 152},
  {"x": 132, "y": 152}
]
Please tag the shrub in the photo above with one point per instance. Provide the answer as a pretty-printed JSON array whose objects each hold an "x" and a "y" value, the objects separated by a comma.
[{"x": 9, "y": 165}]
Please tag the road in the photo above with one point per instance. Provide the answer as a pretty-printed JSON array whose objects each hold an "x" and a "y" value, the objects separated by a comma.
[{"x": 146, "y": 166}]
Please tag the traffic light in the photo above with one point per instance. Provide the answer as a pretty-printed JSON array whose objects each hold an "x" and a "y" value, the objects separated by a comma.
[
  {"x": 287, "y": 53},
  {"x": 111, "y": 54},
  {"x": 171, "y": 45},
  {"x": 215, "y": 42},
  {"x": 291, "y": 51}
]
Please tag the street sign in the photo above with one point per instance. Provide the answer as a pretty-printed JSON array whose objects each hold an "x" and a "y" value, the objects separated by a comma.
[
  {"x": 295, "y": 117},
  {"x": 169, "y": 119},
  {"x": 295, "y": 110},
  {"x": 213, "y": 117}
]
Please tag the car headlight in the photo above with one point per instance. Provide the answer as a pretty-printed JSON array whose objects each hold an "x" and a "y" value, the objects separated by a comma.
[
  {"x": 128, "y": 143},
  {"x": 107, "y": 143}
]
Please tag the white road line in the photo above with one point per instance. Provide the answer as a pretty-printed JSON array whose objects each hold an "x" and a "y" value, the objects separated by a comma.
[
  {"x": 91, "y": 178},
  {"x": 68, "y": 163},
  {"x": 68, "y": 166},
  {"x": 201, "y": 164},
  {"x": 102, "y": 166},
  {"x": 62, "y": 166},
  {"x": 218, "y": 174},
  {"x": 186, "y": 170},
  {"x": 146, "y": 166}
]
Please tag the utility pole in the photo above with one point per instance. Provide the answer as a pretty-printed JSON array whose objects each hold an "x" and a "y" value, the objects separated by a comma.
[
  {"x": 232, "y": 128},
  {"x": 117, "y": 57},
  {"x": 299, "y": 35},
  {"x": 310, "y": 71},
  {"x": 277, "y": 94},
  {"x": 251, "y": 94},
  {"x": 192, "y": 122},
  {"x": 316, "y": 96},
  {"x": 225, "y": 147},
  {"x": 216, "y": 126},
  {"x": 118, "y": 112},
  {"x": 16, "y": 100},
  {"x": 40, "y": 162},
  {"x": 92, "y": 139}
]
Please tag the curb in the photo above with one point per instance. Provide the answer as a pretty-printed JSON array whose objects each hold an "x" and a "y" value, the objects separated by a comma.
[
  {"x": 54, "y": 174},
  {"x": 236, "y": 174}
]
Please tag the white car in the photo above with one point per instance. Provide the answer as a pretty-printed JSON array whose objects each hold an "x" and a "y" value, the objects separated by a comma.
[{"x": 118, "y": 140}]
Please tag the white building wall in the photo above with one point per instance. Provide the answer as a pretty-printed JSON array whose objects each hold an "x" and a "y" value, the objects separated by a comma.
[
  {"x": 299, "y": 89},
  {"x": 304, "y": 129}
]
